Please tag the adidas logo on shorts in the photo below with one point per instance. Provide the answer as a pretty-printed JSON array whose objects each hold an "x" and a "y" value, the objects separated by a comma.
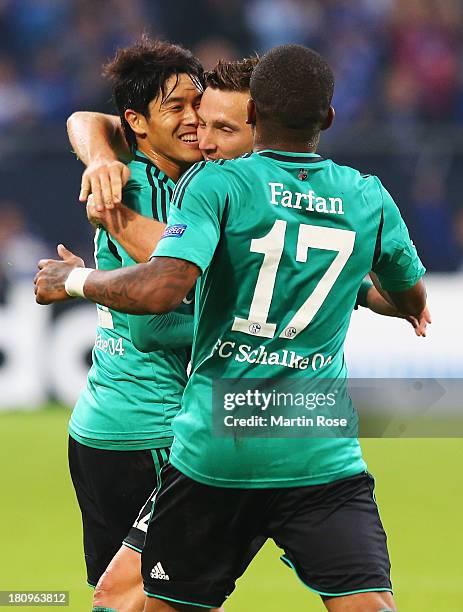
[{"x": 158, "y": 572}]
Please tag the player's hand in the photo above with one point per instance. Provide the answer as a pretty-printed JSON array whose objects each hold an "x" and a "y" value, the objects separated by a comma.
[
  {"x": 49, "y": 281},
  {"x": 420, "y": 324},
  {"x": 104, "y": 180},
  {"x": 114, "y": 220},
  {"x": 95, "y": 217}
]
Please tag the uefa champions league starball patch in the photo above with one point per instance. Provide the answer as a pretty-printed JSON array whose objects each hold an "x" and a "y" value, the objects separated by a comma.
[{"x": 174, "y": 231}]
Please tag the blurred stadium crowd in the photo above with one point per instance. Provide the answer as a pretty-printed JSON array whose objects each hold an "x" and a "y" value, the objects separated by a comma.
[{"x": 399, "y": 90}]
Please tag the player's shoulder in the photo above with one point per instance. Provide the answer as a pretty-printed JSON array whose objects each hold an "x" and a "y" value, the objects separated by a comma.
[
  {"x": 236, "y": 164},
  {"x": 352, "y": 175},
  {"x": 226, "y": 169},
  {"x": 353, "y": 180},
  {"x": 206, "y": 171},
  {"x": 218, "y": 166},
  {"x": 217, "y": 174}
]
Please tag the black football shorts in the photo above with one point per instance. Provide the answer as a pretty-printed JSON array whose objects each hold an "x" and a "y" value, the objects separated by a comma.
[
  {"x": 199, "y": 537},
  {"x": 111, "y": 487}
]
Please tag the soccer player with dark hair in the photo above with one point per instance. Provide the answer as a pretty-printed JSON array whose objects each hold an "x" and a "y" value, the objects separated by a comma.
[
  {"x": 223, "y": 133},
  {"x": 120, "y": 429},
  {"x": 280, "y": 241},
  {"x": 99, "y": 140}
]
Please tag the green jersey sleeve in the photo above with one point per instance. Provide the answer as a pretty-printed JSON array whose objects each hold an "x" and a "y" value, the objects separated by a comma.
[
  {"x": 193, "y": 226},
  {"x": 362, "y": 293},
  {"x": 396, "y": 263}
]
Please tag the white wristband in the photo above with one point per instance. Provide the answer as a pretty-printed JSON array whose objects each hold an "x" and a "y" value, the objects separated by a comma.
[{"x": 75, "y": 282}]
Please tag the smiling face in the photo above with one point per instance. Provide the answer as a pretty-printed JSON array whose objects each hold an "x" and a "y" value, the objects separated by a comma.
[
  {"x": 168, "y": 133},
  {"x": 222, "y": 130}
]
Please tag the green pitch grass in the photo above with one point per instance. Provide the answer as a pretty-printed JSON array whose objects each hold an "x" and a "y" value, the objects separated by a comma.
[{"x": 419, "y": 491}]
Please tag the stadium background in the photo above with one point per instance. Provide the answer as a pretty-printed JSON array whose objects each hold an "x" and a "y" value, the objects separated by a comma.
[{"x": 399, "y": 100}]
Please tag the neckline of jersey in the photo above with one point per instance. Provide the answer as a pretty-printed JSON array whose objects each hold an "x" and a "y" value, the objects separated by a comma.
[
  {"x": 159, "y": 174},
  {"x": 291, "y": 156}
]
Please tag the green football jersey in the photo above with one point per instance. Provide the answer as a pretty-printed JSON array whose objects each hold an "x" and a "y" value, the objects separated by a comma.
[
  {"x": 283, "y": 241},
  {"x": 131, "y": 397}
]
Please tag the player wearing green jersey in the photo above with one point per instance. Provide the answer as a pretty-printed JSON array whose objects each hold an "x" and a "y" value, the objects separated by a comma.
[
  {"x": 120, "y": 429},
  {"x": 222, "y": 133},
  {"x": 231, "y": 215}
]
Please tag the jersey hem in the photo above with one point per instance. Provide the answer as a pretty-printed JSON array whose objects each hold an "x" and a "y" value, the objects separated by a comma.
[
  {"x": 128, "y": 445},
  {"x": 266, "y": 484}
]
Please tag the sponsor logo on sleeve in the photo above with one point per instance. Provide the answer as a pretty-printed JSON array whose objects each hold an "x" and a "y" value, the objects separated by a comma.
[{"x": 174, "y": 231}]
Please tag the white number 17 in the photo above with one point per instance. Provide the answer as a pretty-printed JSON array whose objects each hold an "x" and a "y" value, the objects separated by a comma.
[{"x": 271, "y": 247}]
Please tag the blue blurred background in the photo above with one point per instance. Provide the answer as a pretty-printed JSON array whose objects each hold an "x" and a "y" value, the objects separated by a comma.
[{"x": 399, "y": 100}]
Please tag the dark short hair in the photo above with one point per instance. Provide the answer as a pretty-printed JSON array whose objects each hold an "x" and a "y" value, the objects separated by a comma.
[
  {"x": 231, "y": 76},
  {"x": 138, "y": 74},
  {"x": 292, "y": 86}
]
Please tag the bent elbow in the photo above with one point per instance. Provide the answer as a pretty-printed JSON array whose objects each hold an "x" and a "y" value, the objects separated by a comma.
[
  {"x": 411, "y": 302},
  {"x": 74, "y": 118}
]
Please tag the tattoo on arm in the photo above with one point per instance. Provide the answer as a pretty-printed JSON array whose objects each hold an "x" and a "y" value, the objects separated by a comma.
[{"x": 155, "y": 287}]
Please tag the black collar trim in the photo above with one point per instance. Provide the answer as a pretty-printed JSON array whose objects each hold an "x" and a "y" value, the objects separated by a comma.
[
  {"x": 145, "y": 160},
  {"x": 296, "y": 159}
]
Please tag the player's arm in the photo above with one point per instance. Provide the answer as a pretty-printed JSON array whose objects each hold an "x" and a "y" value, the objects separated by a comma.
[
  {"x": 396, "y": 263},
  {"x": 185, "y": 251},
  {"x": 411, "y": 301},
  {"x": 137, "y": 234},
  {"x": 154, "y": 332},
  {"x": 156, "y": 287},
  {"x": 370, "y": 297},
  {"x": 99, "y": 142}
]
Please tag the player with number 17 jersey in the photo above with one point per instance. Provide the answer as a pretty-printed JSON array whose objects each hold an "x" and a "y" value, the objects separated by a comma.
[{"x": 291, "y": 235}]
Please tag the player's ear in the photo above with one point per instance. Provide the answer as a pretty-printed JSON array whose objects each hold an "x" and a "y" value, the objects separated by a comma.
[
  {"x": 251, "y": 111},
  {"x": 329, "y": 118},
  {"x": 136, "y": 121}
]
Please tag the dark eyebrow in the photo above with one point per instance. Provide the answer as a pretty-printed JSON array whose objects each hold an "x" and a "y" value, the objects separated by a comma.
[
  {"x": 173, "y": 101},
  {"x": 180, "y": 99}
]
